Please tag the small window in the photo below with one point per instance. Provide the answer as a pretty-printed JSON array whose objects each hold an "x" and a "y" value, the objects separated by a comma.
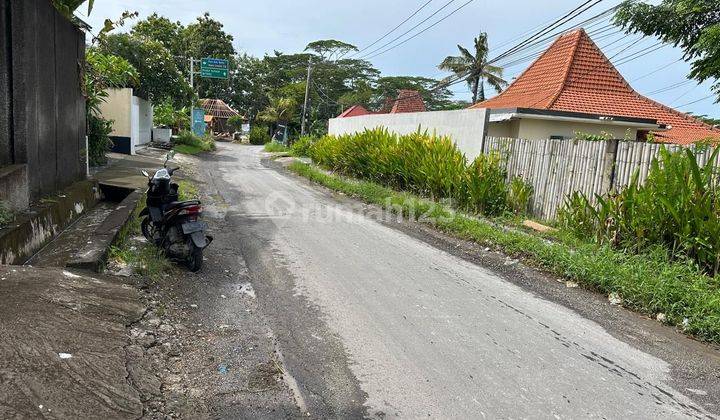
[{"x": 557, "y": 137}]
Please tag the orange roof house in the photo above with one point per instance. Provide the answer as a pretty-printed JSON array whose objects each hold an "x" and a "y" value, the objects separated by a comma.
[
  {"x": 354, "y": 111},
  {"x": 407, "y": 101},
  {"x": 573, "y": 87}
]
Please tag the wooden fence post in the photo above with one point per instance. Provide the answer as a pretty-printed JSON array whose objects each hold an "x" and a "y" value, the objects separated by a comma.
[{"x": 611, "y": 148}]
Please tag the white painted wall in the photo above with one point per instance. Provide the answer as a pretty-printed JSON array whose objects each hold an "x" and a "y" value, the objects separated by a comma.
[
  {"x": 466, "y": 127},
  {"x": 145, "y": 114},
  {"x": 134, "y": 123}
]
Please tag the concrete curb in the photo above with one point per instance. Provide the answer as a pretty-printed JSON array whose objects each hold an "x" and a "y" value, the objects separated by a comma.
[{"x": 94, "y": 254}]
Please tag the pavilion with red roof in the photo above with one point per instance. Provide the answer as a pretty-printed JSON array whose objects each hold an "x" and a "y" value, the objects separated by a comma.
[{"x": 572, "y": 87}]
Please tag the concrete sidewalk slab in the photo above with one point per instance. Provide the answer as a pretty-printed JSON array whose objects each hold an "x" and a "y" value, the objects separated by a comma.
[
  {"x": 124, "y": 171},
  {"x": 63, "y": 351}
]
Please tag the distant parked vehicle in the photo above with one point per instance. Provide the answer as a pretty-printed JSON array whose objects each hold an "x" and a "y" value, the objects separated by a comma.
[{"x": 174, "y": 226}]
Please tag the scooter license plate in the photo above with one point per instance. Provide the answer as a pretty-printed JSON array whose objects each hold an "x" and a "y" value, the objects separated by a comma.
[{"x": 192, "y": 227}]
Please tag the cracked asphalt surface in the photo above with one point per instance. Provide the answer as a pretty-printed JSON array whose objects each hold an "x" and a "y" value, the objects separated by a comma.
[{"x": 371, "y": 320}]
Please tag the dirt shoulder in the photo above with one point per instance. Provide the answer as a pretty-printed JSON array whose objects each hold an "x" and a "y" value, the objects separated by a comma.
[{"x": 214, "y": 355}]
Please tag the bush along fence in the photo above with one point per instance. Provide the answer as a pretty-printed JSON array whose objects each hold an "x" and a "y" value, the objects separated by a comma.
[{"x": 558, "y": 168}]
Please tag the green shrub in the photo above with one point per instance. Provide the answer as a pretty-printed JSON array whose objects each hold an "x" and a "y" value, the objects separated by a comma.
[
  {"x": 188, "y": 143},
  {"x": 99, "y": 142},
  {"x": 485, "y": 183},
  {"x": 422, "y": 163},
  {"x": 301, "y": 147},
  {"x": 678, "y": 208},
  {"x": 235, "y": 122},
  {"x": 6, "y": 215},
  {"x": 259, "y": 135},
  {"x": 519, "y": 194}
]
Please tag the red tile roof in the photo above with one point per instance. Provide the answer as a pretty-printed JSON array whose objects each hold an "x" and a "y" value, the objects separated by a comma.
[
  {"x": 408, "y": 101},
  {"x": 354, "y": 111},
  {"x": 574, "y": 75}
]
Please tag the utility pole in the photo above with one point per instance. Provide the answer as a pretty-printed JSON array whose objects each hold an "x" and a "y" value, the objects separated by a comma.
[
  {"x": 192, "y": 88},
  {"x": 307, "y": 98}
]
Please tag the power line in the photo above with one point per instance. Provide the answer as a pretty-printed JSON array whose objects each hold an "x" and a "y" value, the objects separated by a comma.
[
  {"x": 558, "y": 23},
  {"x": 423, "y": 31},
  {"x": 682, "y": 95},
  {"x": 699, "y": 100},
  {"x": 408, "y": 31},
  {"x": 392, "y": 30},
  {"x": 670, "y": 87},
  {"x": 656, "y": 70}
]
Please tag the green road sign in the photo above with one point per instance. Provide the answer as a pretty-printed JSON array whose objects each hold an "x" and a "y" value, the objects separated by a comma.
[{"x": 214, "y": 68}]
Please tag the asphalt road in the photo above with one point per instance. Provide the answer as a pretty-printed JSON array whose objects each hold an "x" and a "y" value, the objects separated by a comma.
[{"x": 371, "y": 321}]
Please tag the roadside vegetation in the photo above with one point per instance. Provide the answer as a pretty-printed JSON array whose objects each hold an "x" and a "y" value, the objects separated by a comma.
[
  {"x": 259, "y": 135},
  {"x": 275, "y": 147},
  {"x": 189, "y": 144},
  {"x": 646, "y": 261},
  {"x": 143, "y": 257},
  {"x": 423, "y": 164},
  {"x": 6, "y": 215},
  {"x": 677, "y": 209}
]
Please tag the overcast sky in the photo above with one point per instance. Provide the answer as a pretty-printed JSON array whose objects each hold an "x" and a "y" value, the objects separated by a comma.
[{"x": 261, "y": 26}]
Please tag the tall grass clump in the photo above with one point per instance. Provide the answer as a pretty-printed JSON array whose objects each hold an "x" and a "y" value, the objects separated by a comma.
[
  {"x": 301, "y": 148},
  {"x": 485, "y": 182},
  {"x": 421, "y": 163},
  {"x": 677, "y": 208}
]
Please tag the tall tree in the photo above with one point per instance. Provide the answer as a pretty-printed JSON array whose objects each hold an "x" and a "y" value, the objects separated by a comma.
[
  {"x": 474, "y": 68},
  {"x": 207, "y": 38},
  {"x": 159, "y": 77},
  {"x": 161, "y": 29},
  {"x": 693, "y": 25}
]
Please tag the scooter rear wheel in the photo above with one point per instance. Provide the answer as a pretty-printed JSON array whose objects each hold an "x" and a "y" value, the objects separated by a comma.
[
  {"x": 147, "y": 229},
  {"x": 194, "y": 261}
]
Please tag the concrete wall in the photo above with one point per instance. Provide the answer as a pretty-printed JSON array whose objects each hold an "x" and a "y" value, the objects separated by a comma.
[
  {"x": 466, "y": 127},
  {"x": 42, "y": 108},
  {"x": 132, "y": 119},
  {"x": 118, "y": 108}
]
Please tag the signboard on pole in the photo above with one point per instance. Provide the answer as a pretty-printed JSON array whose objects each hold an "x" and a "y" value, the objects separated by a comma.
[
  {"x": 214, "y": 68},
  {"x": 198, "y": 122}
]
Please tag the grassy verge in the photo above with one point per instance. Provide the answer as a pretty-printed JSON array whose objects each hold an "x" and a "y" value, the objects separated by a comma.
[
  {"x": 274, "y": 147},
  {"x": 145, "y": 258},
  {"x": 675, "y": 292},
  {"x": 189, "y": 144}
]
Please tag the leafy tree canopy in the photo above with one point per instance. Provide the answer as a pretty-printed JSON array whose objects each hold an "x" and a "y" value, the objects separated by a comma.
[
  {"x": 159, "y": 77},
  {"x": 693, "y": 25},
  {"x": 329, "y": 49}
]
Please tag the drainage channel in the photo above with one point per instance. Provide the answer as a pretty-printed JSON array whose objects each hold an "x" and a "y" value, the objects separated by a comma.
[{"x": 75, "y": 237}]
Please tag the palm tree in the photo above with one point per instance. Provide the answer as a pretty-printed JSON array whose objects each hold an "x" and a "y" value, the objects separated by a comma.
[
  {"x": 475, "y": 69},
  {"x": 281, "y": 110}
]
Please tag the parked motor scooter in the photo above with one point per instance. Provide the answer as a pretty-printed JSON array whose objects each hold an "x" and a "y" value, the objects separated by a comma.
[{"x": 174, "y": 226}]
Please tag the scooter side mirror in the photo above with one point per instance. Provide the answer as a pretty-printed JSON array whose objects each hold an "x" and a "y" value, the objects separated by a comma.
[
  {"x": 168, "y": 157},
  {"x": 147, "y": 175}
]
